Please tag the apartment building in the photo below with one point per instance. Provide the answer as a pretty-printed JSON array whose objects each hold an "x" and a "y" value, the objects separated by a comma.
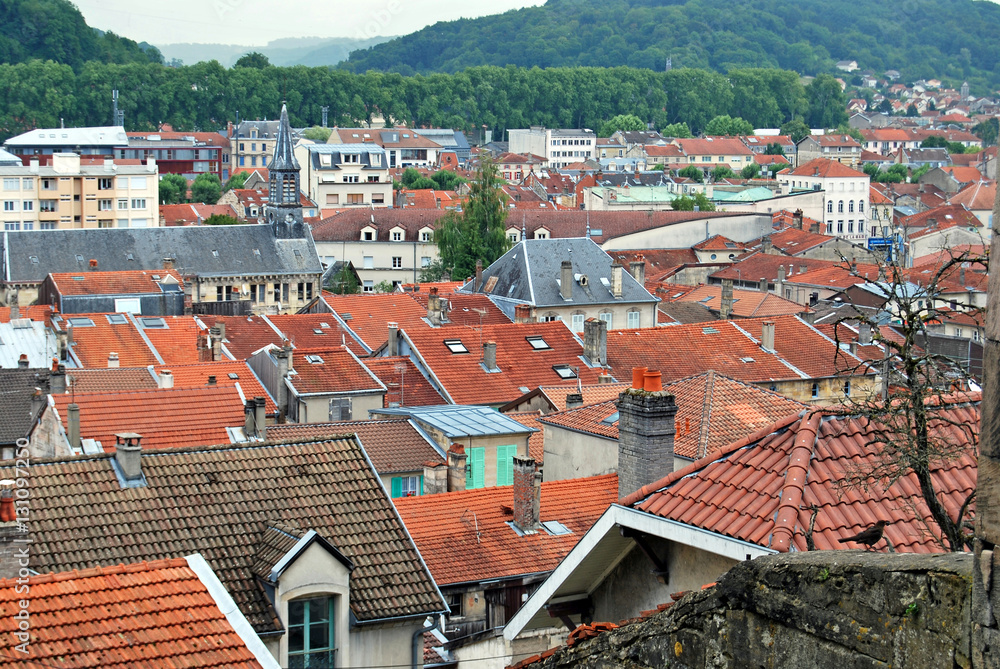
[
  {"x": 844, "y": 208},
  {"x": 345, "y": 175},
  {"x": 403, "y": 147},
  {"x": 251, "y": 143},
  {"x": 67, "y": 194},
  {"x": 559, "y": 148}
]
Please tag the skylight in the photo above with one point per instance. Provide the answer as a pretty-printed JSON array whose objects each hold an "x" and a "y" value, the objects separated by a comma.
[
  {"x": 611, "y": 420},
  {"x": 564, "y": 371},
  {"x": 538, "y": 344},
  {"x": 555, "y": 528},
  {"x": 153, "y": 323},
  {"x": 234, "y": 375},
  {"x": 81, "y": 322},
  {"x": 314, "y": 359},
  {"x": 318, "y": 331},
  {"x": 117, "y": 319},
  {"x": 709, "y": 330},
  {"x": 455, "y": 346}
]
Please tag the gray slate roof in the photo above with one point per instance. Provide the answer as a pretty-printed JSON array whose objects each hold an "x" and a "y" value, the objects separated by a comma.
[
  {"x": 16, "y": 389},
  {"x": 528, "y": 273},
  {"x": 30, "y": 256},
  {"x": 284, "y": 154}
]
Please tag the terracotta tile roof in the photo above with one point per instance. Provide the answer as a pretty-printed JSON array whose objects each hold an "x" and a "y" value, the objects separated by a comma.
[
  {"x": 330, "y": 370},
  {"x": 764, "y": 159},
  {"x": 979, "y": 195},
  {"x": 164, "y": 418},
  {"x": 846, "y": 335},
  {"x": 259, "y": 197},
  {"x": 794, "y": 241},
  {"x": 106, "y": 380},
  {"x": 464, "y": 380},
  {"x": 224, "y": 371},
  {"x": 35, "y": 312},
  {"x": 536, "y": 440},
  {"x": 592, "y": 393},
  {"x": 746, "y": 303},
  {"x": 876, "y": 196},
  {"x": 657, "y": 261},
  {"x": 939, "y": 257},
  {"x": 368, "y": 316},
  {"x": 800, "y": 344},
  {"x": 760, "y": 488},
  {"x": 314, "y": 331},
  {"x": 393, "y": 445},
  {"x": 92, "y": 344},
  {"x": 217, "y": 501},
  {"x": 822, "y": 167},
  {"x": 112, "y": 283},
  {"x": 458, "y": 550},
  {"x": 244, "y": 334},
  {"x": 835, "y": 140},
  {"x": 719, "y": 243},
  {"x": 177, "y": 344},
  {"x": 713, "y": 146},
  {"x": 945, "y": 216},
  {"x": 193, "y": 213},
  {"x": 444, "y": 287},
  {"x": 712, "y": 412},
  {"x": 825, "y": 273},
  {"x": 429, "y": 198},
  {"x": 665, "y": 151},
  {"x": 403, "y": 382},
  {"x": 462, "y": 309},
  {"x": 156, "y": 613},
  {"x": 963, "y": 173}
]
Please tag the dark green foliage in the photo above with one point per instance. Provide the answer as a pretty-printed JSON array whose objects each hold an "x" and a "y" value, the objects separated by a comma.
[
  {"x": 237, "y": 181},
  {"x": 678, "y": 130},
  {"x": 751, "y": 171},
  {"x": 827, "y": 103},
  {"x": 447, "y": 180},
  {"x": 317, "y": 134},
  {"x": 206, "y": 188},
  {"x": 221, "y": 219},
  {"x": 774, "y": 149},
  {"x": 254, "y": 59},
  {"x": 423, "y": 183},
  {"x": 691, "y": 172},
  {"x": 952, "y": 41},
  {"x": 937, "y": 141},
  {"x": 343, "y": 282},
  {"x": 722, "y": 172},
  {"x": 726, "y": 125},
  {"x": 685, "y": 203},
  {"x": 621, "y": 122},
  {"x": 796, "y": 129},
  {"x": 987, "y": 131},
  {"x": 173, "y": 189}
]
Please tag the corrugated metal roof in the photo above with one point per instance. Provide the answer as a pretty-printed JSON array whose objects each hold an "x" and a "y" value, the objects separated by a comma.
[
  {"x": 28, "y": 337},
  {"x": 456, "y": 420}
]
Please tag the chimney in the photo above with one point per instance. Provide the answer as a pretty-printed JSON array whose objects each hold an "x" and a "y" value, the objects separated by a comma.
[
  {"x": 645, "y": 432},
  {"x": 456, "y": 467},
  {"x": 435, "y": 478},
  {"x": 434, "y": 307},
  {"x": 73, "y": 426},
  {"x": 490, "y": 356},
  {"x": 616, "y": 280},
  {"x": 767, "y": 336},
  {"x": 93, "y": 263},
  {"x": 595, "y": 342},
  {"x": 479, "y": 277},
  {"x": 211, "y": 380},
  {"x": 57, "y": 378},
  {"x": 260, "y": 417},
  {"x": 22, "y": 361},
  {"x": 726, "y": 307},
  {"x": 128, "y": 460},
  {"x": 168, "y": 263},
  {"x": 522, "y": 314},
  {"x": 37, "y": 403},
  {"x": 165, "y": 380},
  {"x": 13, "y": 539},
  {"x": 527, "y": 494},
  {"x": 250, "y": 419},
  {"x": 638, "y": 270},
  {"x": 283, "y": 359},
  {"x": 566, "y": 280},
  {"x": 15, "y": 306},
  {"x": 766, "y": 246},
  {"x": 763, "y": 285},
  {"x": 215, "y": 335},
  {"x": 574, "y": 400},
  {"x": 814, "y": 227},
  {"x": 797, "y": 219},
  {"x": 393, "y": 341},
  {"x": 113, "y": 360},
  {"x": 780, "y": 283},
  {"x": 864, "y": 334}
]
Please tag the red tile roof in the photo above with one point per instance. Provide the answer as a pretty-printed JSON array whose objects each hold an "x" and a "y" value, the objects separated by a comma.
[
  {"x": 404, "y": 383},
  {"x": 825, "y": 273},
  {"x": 465, "y": 381},
  {"x": 193, "y": 213},
  {"x": 112, "y": 283},
  {"x": 148, "y": 614},
  {"x": 34, "y": 312},
  {"x": 164, "y": 418},
  {"x": 746, "y": 303},
  {"x": 963, "y": 173},
  {"x": 98, "y": 380},
  {"x": 760, "y": 489},
  {"x": 800, "y": 344},
  {"x": 177, "y": 344},
  {"x": 464, "y": 536},
  {"x": 719, "y": 243},
  {"x": 658, "y": 261},
  {"x": 945, "y": 216},
  {"x": 313, "y": 331},
  {"x": 244, "y": 334},
  {"x": 821, "y": 167},
  {"x": 92, "y": 344},
  {"x": 979, "y": 195},
  {"x": 794, "y": 240},
  {"x": 196, "y": 376},
  {"x": 713, "y": 411},
  {"x": 713, "y": 146},
  {"x": 465, "y": 309},
  {"x": 330, "y": 370},
  {"x": 536, "y": 440},
  {"x": 368, "y": 316}
]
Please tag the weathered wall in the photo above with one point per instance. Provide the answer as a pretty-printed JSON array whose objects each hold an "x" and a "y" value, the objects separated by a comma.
[{"x": 843, "y": 609}]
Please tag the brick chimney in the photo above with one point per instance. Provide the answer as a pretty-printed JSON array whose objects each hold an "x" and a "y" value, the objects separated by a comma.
[
  {"x": 574, "y": 400},
  {"x": 393, "y": 341},
  {"x": 726, "y": 305},
  {"x": 168, "y": 263},
  {"x": 522, "y": 314},
  {"x": 434, "y": 307},
  {"x": 595, "y": 342},
  {"x": 566, "y": 280},
  {"x": 128, "y": 460},
  {"x": 527, "y": 494},
  {"x": 616, "y": 280},
  {"x": 767, "y": 336},
  {"x": 638, "y": 270},
  {"x": 435, "y": 478},
  {"x": 113, "y": 360},
  {"x": 645, "y": 432},
  {"x": 490, "y": 356},
  {"x": 456, "y": 467},
  {"x": 165, "y": 380},
  {"x": 57, "y": 378}
]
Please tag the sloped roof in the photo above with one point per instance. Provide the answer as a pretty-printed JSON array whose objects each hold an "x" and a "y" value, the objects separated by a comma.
[
  {"x": 713, "y": 146},
  {"x": 216, "y": 501},
  {"x": 284, "y": 152},
  {"x": 403, "y": 382},
  {"x": 157, "y": 613},
  {"x": 760, "y": 488},
  {"x": 331, "y": 370},
  {"x": 164, "y": 418},
  {"x": 977, "y": 196},
  {"x": 536, "y": 440},
  {"x": 464, "y": 536},
  {"x": 226, "y": 373},
  {"x": 821, "y": 167},
  {"x": 92, "y": 343},
  {"x": 134, "y": 282},
  {"x": 746, "y": 303},
  {"x": 16, "y": 389},
  {"x": 794, "y": 240},
  {"x": 109, "y": 380},
  {"x": 719, "y": 243},
  {"x": 466, "y": 309},
  {"x": 963, "y": 173},
  {"x": 368, "y": 316}
]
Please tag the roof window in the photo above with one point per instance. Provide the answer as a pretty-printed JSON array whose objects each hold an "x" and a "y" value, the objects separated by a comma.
[
  {"x": 555, "y": 528},
  {"x": 81, "y": 322},
  {"x": 538, "y": 344},
  {"x": 564, "y": 371},
  {"x": 215, "y": 253},
  {"x": 117, "y": 319},
  {"x": 709, "y": 330},
  {"x": 325, "y": 326},
  {"x": 153, "y": 323},
  {"x": 455, "y": 346},
  {"x": 33, "y": 259},
  {"x": 318, "y": 331},
  {"x": 314, "y": 359},
  {"x": 234, "y": 376}
]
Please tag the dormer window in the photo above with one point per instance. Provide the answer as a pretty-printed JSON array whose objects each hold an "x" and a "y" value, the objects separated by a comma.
[
  {"x": 311, "y": 632},
  {"x": 455, "y": 346},
  {"x": 396, "y": 235},
  {"x": 538, "y": 344}
]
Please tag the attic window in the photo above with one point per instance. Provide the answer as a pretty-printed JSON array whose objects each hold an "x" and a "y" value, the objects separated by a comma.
[
  {"x": 314, "y": 359},
  {"x": 555, "y": 528},
  {"x": 346, "y": 317},
  {"x": 117, "y": 319},
  {"x": 153, "y": 323},
  {"x": 256, "y": 253},
  {"x": 81, "y": 322},
  {"x": 455, "y": 346},
  {"x": 709, "y": 330},
  {"x": 298, "y": 253},
  {"x": 78, "y": 278},
  {"x": 79, "y": 258},
  {"x": 325, "y": 326},
  {"x": 234, "y": 376},
  {"x": 215, "y": 254},
  {"x": 746, "y": 359},
  {"x": 318, "y": 331},
  {"x": 129, "y": 256},
  {"x": 611, "y": 420},
  {"x": 538, "y": 344},
  {"x": 564, "y": 371},
  {"x": 33, "y": 259}
]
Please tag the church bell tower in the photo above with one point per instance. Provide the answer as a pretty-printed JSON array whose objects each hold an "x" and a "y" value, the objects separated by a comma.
[{"x": 284, "y": 207}]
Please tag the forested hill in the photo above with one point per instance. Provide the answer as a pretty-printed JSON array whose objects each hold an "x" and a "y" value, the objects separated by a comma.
[
  {"x": 952, "y": 40},
  {"x": 55, "y": 30}
]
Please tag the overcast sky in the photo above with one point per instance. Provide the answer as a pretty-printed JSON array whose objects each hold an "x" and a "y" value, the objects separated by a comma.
[{"x": 256, "y": 22}]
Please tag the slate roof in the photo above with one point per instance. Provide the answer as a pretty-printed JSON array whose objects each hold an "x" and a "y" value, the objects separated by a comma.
[
  {"x": 156, "y": 613},
  {"x": 284, "y": 153},
  {"x": 393, "y": 445},
  {"x": 216, "y": 501},
  {"x": 164, "y": 418},
  {"x": 458, "y": 550},
  {"x": 713, "y": 411},
  {"x": 406, "y": 385},
  {"x": 192, "y": 247},
  {"x": 760, "y": 488},
  {"x": 530, "y": 272},
  {"x": 16, "y": 389}
]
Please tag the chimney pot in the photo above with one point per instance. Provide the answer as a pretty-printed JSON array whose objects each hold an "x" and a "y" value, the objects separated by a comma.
[
  {"x": 726, "y": 307},
  {"x": 166, "y": 379},
  {"x": 595, "y": 341},
  {"x": 73, "y": 425},
  {"x": 113, "y": 360},
  {"x": 574, "y": 400},
  {"x": 522, "y": 314},
  {"x": 57, "y": 378},
  {"x": 22, "y": 361},
  {"x": 128, "y": 457},
  {"x": 211, "y": 379},
  {"x": 763, "y": 285},
  {"x": 566, "y": 280},
  {"x": 638, "y": 377},
  {"x": 638, "y": 270},
  {"x": 864, "y": 334},
  {"x": 645, "y": 439},
  {"x": 652, "y": 382},
  {"x": 93, "y": 263}
]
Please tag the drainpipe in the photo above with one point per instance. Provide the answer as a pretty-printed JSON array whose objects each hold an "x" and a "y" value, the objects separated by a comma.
[{"x": 417, "y": 660}]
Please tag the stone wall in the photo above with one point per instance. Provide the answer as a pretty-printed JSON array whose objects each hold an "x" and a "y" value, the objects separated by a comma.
[{"x": 838, "y": 609}]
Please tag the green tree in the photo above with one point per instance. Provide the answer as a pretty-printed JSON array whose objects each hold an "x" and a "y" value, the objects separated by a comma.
[
  {"x": 827, "y": 105},
  {"x": 423, "y": 183},
  {"x": 911, "y": 110},
  {"x": 343, "y": 282},
  {"x": 624, "y": 122},
  {"x": 255, "y": 60},
  {"x": 728, "y": 126},
  {"x": 885, "y": 106},
  {"x": 677, "y": 130},
  {"x": 206, "y": 188},
  {"x": 934, "y": 142},
  {"x": 691, "y": 172},
  {"x": 685, "y": 203},
  {"x": 447, "y": 180},
  {"x": 751, "y": 171},
  {"x": 722, "y": 172},
  {"x": 221, "y": 219},
  {"x": 409, "y": 176},
  {"x": 774, "y": 149},
  {"x": 796, "y": 129},
  {"x": 987, "y": 131},
  {"x": 173, "y": 189},
  {"x": 384, "y": 287},
  {"x": 478, "y": 233},
  {"x": 237, "y": 181},
  {"x": 317, "y": 134}
]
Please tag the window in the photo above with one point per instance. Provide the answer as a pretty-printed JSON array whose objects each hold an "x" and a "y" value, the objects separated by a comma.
[
  {"x": 829, "y": 207},
  {"x": 634, "y": 318},
  {"x": 840, "y": 226},
  {"x": 607, "y": 317},
  {"x": 340, "y": 409},
  {"x": 12, "y": 225},
  {"x": 840, "y": 207},
  {"x": 104, "y": 205},
  {"x": 355, "y": 198},
  {"x": 425, "y": 236},
  {"x": 11, "y": 184},
  {"x": 397, "y": 262},
  {"x": 847, "y": 388},
  {"x": 861, "y": 226},
  {"x": 564, "y": 371},
  {"x": 368, "y": 286},
  {"x": 397, "y": 236},
  {"x": 456, "y": 604},
  {"x": 505, "y": 464},
  {"x": 850, "y": 207},
  {"x": 406, "y": 486},
  {"x": 351, "y": 178},
  {"x": 311, "y": 638},
  {"x": 29, "y": 225},
  {"x": 829, "y": 227},
  {"x": 46, "y": 226},
  {"x": 369, "y": 262},
  {"x": 815, "y": 390},
  {"x": 332, "y": 198},
  {"x": 861, "y": 206},
  {"x": 850, "y": 226},
  {"x": 28, "y": 183},
  {"x": 425, "y": 261},
  {"x": 138, "y": 182},
  {"x": 301, "y": 291},
  {"x": 378, "y": 198},
  {"x": 10, "y": 205},
  {"x": 105, "y": 184},
  {"x": 576, "y": 322},
  {"x": 538, "y": 344},
  {"x": 475, "y": 468},
  {"x": 455, "y": 346},
  {"x": 122, "y": 205}
]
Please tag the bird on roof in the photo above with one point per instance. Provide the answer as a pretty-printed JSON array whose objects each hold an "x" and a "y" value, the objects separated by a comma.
[{"x": 868, "y": 537}]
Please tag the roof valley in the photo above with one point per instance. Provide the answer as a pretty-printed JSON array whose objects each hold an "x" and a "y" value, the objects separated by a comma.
[{"x": 706, "y": 415}]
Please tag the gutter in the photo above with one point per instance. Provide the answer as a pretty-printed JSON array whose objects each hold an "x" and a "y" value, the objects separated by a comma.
[{"x": 417, "y": 650}]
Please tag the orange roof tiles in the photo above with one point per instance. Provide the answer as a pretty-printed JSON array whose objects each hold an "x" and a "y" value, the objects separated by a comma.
[
  {"x": 330, "y": 370},
  {"x": 713, "y": 146},
  {"x": 92, "y": 344},
  {"x": 368, "y": 316},
  {"x": 149, "y": 614},
  {"x": 963, "y": 173},
  {"x": 404, "y": 383},
  {"x": 746, "y": 303},
  {"x": 794, "y": 240},
  {"x": 466, "y": 309},
  {"x": 979, "y": 195},
  {"x": 164, "y": 418},
  {"x": 760, "y": 489},
  {"x": 34, "y": 312},
  {"x": 313, "y": 331},
  {"x": 97, "y": 380},
  {"x": 800, "y": 344},
  {"x": 719, "y": 243},
  {"x": 224, "y": 371},
  {"x": 177, "y": 343},
  {"x": 820, "y": 167},
  {"x": 458, "y": 550},
  {"x": 536, "y": 440},
  {"x": 244, "y": 334},
  {"x": 112, "y": 283}
]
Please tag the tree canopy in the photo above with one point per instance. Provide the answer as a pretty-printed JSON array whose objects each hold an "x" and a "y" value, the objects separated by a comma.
[
  {"x": 728, "y": 126},
  {"x": 173, "y": 189},
  {"x": 206, "y": 188},
  {"x": 621, "y": 122}
]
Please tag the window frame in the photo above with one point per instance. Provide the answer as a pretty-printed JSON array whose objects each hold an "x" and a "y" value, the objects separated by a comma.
[{"x": 307, "y": 651}]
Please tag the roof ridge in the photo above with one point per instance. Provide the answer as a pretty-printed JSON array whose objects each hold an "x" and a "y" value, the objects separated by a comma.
[
  {"x": 795, "y": 481},
  {"x": 706, "y": 413}
]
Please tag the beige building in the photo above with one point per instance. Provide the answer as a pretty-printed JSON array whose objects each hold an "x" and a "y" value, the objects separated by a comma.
[
  {"x": 845, "y": 202},
  {"x": 345, "y": 175},
  {"x": 69, "y": 195}
]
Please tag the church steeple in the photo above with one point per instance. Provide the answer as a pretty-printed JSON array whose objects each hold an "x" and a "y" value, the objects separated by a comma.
[{"x": 284, "y": 208}]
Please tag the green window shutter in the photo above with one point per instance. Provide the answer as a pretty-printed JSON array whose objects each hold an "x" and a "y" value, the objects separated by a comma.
[
  {"x": 505, "y": 464},
  {"x": 397, "y": 487},
  {"x": 420, "y": 490},
  {"x": 477, "y": 466}
]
